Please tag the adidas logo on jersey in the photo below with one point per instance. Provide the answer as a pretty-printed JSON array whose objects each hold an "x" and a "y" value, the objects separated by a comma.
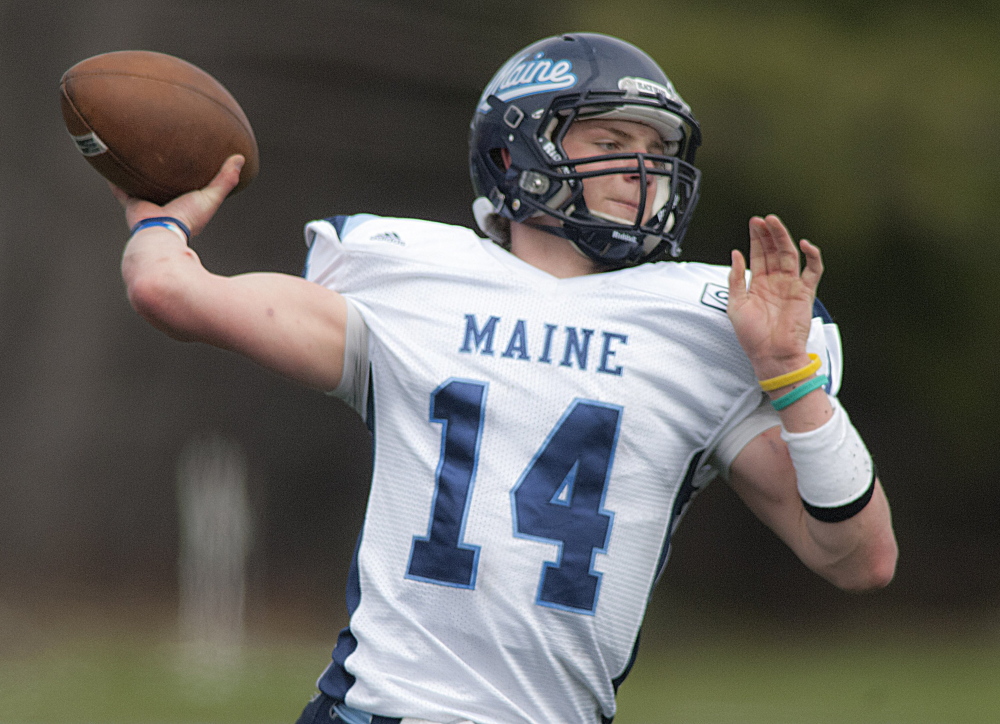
[{"x": 391, "y": 236}]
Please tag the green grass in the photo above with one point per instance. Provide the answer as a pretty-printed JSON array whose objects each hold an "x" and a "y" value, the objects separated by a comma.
[
  {"x": 881, "y": 681},
  {"x": 104, "y": 681},
  {"x": 723, "y": 680}
]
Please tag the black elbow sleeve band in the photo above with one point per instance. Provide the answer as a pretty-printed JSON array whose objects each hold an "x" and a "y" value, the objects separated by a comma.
[{"x": 842, "y": 512}]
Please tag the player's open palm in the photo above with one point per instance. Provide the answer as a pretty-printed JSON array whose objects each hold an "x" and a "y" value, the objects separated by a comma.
[
  {"x": 772, "y": 315},
  {"x": 195, "y": 208}
]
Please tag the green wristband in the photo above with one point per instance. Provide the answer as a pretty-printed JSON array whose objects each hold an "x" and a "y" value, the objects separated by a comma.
[{"x": 799, "y": 392}]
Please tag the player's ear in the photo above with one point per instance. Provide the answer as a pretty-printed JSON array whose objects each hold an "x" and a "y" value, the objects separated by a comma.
[{"x": 505, "y": 157}]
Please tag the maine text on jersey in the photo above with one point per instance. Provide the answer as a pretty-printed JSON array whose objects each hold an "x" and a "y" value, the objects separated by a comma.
[{"x": 546, "y": 343}]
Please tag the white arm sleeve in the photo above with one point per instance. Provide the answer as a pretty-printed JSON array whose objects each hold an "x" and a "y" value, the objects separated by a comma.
[
  {"x": 762, "y": 418},
  {"x": 353, "y": 387},
  {"x": 834, "y": 469}
]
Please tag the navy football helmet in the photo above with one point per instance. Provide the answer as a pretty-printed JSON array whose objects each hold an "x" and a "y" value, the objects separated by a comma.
[{"x": 526, "y": 110}]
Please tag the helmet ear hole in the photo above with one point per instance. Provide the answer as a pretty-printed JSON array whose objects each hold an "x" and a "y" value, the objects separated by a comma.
[{"x": 496, "y": 156}]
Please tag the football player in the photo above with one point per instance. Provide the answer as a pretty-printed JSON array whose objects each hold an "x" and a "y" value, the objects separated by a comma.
[{"x": 545, "y": 403}]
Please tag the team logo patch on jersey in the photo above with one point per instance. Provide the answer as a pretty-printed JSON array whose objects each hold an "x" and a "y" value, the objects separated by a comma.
[{"x": 715, "y": 296}]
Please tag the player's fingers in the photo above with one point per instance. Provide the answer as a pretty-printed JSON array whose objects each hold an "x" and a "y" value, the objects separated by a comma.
[
  {"x": 225, "y": 180},
  {"x": 782, "y": 252},
  {"x": 814, "y": 264},
  {"x": 229, "y": 173},
  {"x": 772, "y": 251},
  {"x": 198, "y": 207},
  {"x": 737, "y": 280},
  {"x": 758, "y": 257}
]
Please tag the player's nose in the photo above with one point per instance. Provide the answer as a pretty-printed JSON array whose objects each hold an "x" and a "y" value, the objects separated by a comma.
[{"x": 636, "y": 176}]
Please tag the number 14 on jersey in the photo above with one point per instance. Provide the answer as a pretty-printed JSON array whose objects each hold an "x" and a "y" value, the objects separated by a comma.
[{"x": 558, "y": 499}]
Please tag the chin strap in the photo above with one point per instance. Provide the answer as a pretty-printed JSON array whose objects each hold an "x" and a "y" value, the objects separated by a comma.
[
  {"x": 491, "y": 223},
  {"x": 497, "y": 228}
]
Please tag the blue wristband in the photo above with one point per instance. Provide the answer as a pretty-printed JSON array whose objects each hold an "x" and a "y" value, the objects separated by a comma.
[
  {"x": 164, "y": 221},
  {"x": 799, "y": 392}
]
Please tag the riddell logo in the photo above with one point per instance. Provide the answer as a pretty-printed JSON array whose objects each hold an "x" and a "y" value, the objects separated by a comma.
[
  {"x": 550, "y": 149},
  {"x": 622, "y": 236},
  {"x": 635, "y": 86}
]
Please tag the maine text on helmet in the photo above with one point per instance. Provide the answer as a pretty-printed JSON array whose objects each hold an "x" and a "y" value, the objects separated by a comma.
[{"x": 527, "y": 76}]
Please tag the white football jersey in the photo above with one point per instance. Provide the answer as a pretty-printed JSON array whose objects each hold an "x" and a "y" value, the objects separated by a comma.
[{"x": 536, "y": 442}]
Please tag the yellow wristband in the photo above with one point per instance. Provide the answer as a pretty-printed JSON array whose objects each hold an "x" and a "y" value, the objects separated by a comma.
[{"x": 790, "y": 378}]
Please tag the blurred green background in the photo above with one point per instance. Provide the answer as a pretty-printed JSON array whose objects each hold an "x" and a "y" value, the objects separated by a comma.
[{"x": 870, "y": 128}]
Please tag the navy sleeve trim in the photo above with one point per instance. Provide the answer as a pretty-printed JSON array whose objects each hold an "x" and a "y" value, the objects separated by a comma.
[
  {"x": 338, "y": 223},
  {"x": 820, "y": 311}
]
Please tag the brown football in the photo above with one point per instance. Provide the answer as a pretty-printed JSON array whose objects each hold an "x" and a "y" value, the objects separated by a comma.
[{"x": 154, "y": 125}]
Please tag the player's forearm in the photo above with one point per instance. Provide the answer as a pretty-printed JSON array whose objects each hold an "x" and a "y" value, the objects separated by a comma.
[
  {"x": 157, "y": 268},
  {"x": 856, "y": 554},
  {"x": 817, "y": 490},
  {"x": 284, "y": 323}
]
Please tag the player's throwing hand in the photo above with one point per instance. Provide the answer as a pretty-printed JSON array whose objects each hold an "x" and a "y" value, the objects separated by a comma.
[{"x": 195, "y": 208}]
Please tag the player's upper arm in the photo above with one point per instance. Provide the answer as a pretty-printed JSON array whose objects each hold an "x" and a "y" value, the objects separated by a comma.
[
  {"x": 285, "y": 323},
  {"x": 763, "y": 476}
]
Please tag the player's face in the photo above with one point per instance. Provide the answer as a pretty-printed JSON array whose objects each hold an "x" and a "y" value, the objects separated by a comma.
[{"x": 614, "y": 196}]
